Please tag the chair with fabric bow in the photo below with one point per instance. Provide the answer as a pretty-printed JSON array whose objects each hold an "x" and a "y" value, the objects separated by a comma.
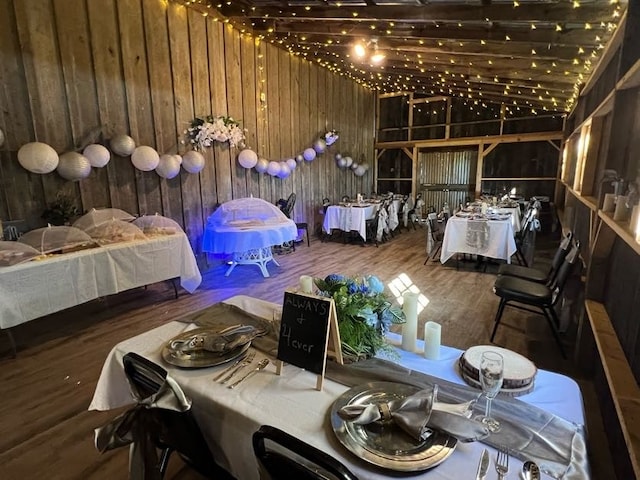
[
  {"x": 153, "y": 428},
  {"x": 523, "y": 294},
  {"x": 436, "y": 233},
  {"x": 282, "y": 456}
]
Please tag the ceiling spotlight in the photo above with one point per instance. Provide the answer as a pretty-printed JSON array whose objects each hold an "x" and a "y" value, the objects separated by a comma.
[{"x": 360, "y": 50}]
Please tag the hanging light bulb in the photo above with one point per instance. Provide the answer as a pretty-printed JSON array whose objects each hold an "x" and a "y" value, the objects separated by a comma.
[{"x": 359, "y": 50}]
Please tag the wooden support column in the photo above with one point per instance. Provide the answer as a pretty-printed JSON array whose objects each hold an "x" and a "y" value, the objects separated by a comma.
[
  {"x": 479, "y": 170},
  {"x": 447, "y": 128}
]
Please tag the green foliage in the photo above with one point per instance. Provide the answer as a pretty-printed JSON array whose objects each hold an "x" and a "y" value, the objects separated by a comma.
[{"x": 60, "y": 211}]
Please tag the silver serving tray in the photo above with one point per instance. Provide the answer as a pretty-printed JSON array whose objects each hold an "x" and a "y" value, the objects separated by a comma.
[
  {"x": 383, "y": 443},
  {"x": 199, "y": 358}
]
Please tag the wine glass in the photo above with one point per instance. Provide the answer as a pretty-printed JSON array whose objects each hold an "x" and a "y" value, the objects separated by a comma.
[{"x": 491, "y": 377}]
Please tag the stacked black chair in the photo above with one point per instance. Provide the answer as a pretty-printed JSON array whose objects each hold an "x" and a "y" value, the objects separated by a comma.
[
  {"x": 170, "y": 431},
  {"x": 437, "y": 236},
  {"x": 526, "y": 236},
  {"x": 536, "y": 297},
  {"x": 283, "y": 457},
  {"x": 539, "y": 276}
]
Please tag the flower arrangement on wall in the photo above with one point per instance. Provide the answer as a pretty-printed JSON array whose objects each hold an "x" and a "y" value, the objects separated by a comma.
[{"x": 203, "y": 132}]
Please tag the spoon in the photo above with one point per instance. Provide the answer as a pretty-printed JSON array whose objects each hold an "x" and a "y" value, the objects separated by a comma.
[{"x": 531, "y": 471}]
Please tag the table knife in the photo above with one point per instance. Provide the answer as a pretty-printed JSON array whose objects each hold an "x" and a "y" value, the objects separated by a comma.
[
  {"x": 261, "y": 366},
  {"x": 483, "y": 466}
]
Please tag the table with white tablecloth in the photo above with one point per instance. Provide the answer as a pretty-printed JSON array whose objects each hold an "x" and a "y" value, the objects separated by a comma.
[
  {"x": 228, "y": 418},
  {"x": 488, "y": 238},
  {"x": 40, "y": 287},
  {"x": 349, "y": 218}
]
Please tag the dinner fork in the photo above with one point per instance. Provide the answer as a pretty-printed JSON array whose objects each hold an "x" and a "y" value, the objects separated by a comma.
[
  {"x": 247, "y": 361},
  {"x": 502, "y": 462}
]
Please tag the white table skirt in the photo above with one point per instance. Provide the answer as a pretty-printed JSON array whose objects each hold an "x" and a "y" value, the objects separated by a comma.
[
  {"x": 515, "y": 216},
  {"x": 348, "y": 219},
  {"x": 38, "y": 288},
  {"x": 498, "y": 241},
  {"x": 228, "y": 418},
  {"x": 227, "y": 239}
]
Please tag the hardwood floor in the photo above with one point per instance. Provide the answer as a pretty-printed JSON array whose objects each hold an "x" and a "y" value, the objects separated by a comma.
[{"x": 47, "y": 432}]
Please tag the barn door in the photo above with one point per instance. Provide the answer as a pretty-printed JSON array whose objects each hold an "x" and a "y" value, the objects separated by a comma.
[{"x": 447, "y": 176}]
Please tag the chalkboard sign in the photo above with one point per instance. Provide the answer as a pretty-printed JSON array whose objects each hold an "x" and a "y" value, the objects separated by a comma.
[{"x": 304, "y": 331}]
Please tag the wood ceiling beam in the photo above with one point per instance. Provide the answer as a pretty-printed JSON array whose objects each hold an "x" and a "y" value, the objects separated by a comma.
[
  {"x": 536, "y": 38},
  {"x": 537, "y": 13}
]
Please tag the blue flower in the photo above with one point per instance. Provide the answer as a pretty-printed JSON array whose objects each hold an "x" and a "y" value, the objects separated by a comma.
[
  {"x": 375, "y": 285},
  {"x": 334, "y": 278}
]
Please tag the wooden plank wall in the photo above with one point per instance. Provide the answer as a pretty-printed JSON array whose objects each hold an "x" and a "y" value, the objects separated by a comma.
[{"x": 70, "y": 69}]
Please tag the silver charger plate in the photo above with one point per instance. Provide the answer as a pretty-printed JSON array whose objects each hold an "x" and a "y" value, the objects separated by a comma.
[
  {"x": 199, "y": 358},
  {"x": 383, "y": 443}
]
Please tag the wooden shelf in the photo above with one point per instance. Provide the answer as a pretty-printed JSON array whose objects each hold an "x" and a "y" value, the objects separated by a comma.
[
  {"x": 622, "y": 230},
  {"x": 631, "y": 79},
  {"x": 591, "y": 202},
  {"x": 622, "y": 384},
  {"x": 519, "y": 178}
]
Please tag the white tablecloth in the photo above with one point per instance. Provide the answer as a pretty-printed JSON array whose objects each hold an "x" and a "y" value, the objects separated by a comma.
[
  {"x": 232, "y": 239},
  {"x": 290, "y": 402},
  {"x": 349, "y": 219},
  {"x": 38, "y": 288},
  {"x": 489, "y": 238},
  {"x": 515, "y": 216}
]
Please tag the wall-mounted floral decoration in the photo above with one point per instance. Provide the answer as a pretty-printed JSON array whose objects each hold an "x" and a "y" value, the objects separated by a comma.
[{"x": 204, "y": 131}]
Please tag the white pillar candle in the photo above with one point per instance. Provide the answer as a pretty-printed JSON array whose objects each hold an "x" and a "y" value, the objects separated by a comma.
[
  {"x": 306, "y": 284},
  {"x": 410, "y": 327},
  {"x": 634, "y": 223},
  {"x": 432, "y": 340}
]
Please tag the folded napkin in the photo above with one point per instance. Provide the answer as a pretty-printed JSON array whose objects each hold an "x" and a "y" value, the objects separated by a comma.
[
  {"x": 419, "y": 414},
  {"x": 217, "y": 342}
]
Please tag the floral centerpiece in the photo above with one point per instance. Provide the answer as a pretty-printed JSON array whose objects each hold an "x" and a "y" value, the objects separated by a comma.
[
  {"x": 204, "y": 131},
  {"x": 364, "y": 313}
]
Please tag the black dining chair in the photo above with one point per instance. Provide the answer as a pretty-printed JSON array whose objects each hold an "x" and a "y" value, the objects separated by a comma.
[
  {"x": 170, "y": 431},
  {"x": 536, "y": 297},
  {"x": 436, "y": 232},
  {"x": 537, "y": 275},
  {"x": 282, "y": 456}
]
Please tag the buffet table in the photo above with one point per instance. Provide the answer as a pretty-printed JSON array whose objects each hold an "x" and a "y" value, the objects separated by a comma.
[
  {"x": 489, "y": 238},
  {"x": 40, "y": 287},
  {"x": 349, "y": 218},
  {"x": 228, "y": 418}
]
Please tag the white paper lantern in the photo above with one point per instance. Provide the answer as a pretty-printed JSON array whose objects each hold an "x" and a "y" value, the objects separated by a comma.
[
  {"x": 309, "y": 154},
  {"x": 354, "y": 165},
  {"x": 300, "y": 158},
  {"x": 145, "y": 158},
  {"x": 73, "y": 166},
  {"x": 1, "y": 137},
  {"x": 193, "y": 161},
  {"x": 38, "y": 157},
  {"x": 349, "y": 161},
  {"x": 262, "y": 165},
  {"x": 274, "y": 168},
  {"x": 285, "y": 171},
  {"x": 342, "y": 162},
  {"x": 360, "y": 171},
  {"x": 169, "y": 166},
  {"x": 338, "y": 156},
  {"x": 292, "y": 164},
  {"x": 98, "y": 155},
  {"x": 319, "y": 145},
  {"x": 123, "y": 145},
  {"x": 248, "y": 158}
]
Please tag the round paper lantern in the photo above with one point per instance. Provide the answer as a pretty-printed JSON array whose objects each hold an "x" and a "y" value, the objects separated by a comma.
[
  {"x": 38, "y": 157},
  {"x": 262, "y": 165},
  {"x": 349, "y": 161},
  {"x": 360, "y": 171},
  {"x": 193, "y": 161},
  {"x": 98, "y": 155},
  {"x": 300, "y": 158},
  {"x": 342, "y": 162},
  {"x": 285, "y": 171},
  {"x": 248, "y": 158},
  {"x": 292, "y": 164},
  {"x": 145, "y": 158},
  {"x": 169, "y": 166},
  {"x": 123, "y": 145},
  {"x": 319, "y": 145},
  {"x": 309, "y": 154},
  {"x": 273, "y": 169},
  {"x": 73, "y": 166},
  {"x": 354, "y": 165},
  {"x": 338, "y": 156},
  {"x": 1, "y": 137}
]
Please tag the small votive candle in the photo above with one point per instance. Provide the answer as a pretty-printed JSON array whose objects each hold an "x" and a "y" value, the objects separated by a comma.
[
  {"x": 432, "y": 332},
  {"x": 306, "y": 284}
]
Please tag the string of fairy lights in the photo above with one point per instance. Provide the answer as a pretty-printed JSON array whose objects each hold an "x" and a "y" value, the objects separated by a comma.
[{"x": 406, "y": 68}]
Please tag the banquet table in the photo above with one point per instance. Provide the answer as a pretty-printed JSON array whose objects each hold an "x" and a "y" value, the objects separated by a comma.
[
  {"x": 248, "y": 241},
  {"x": 228, "y": 418},
  {"x": 40, "y": 287},
  {"x": 489, "y": 238},
  {"x": 349, "y": 218}
]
